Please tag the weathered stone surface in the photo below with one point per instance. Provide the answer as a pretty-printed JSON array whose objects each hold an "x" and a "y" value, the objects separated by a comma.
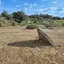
[{"x": 44, "y": 37}]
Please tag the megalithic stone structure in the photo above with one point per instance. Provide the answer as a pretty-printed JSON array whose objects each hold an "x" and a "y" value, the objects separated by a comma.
[{"x": 44, "y": 37}]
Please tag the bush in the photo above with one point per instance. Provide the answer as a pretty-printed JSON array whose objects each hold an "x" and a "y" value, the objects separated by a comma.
[
  {"x": 46, "y": 24},
  {"x": 0, "y": 24},
  {"x": 56, "y": 24},
  {"x": 14, "y": 23},
  {"x": 22, "y": 23},
  {"x": 31, "y": 27},
  {"x": 63, "y": 24}
]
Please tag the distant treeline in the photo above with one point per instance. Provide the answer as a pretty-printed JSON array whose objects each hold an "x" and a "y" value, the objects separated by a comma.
[{"x": 20, "y": 17}]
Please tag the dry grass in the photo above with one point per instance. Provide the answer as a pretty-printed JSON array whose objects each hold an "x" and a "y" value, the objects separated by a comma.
[
  {"x": 21, "y": 46},
  {"x": 57, "y": 36}
]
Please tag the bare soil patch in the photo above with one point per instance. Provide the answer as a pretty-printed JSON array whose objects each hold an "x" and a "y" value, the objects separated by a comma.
[{"x": 21, "y": 46}]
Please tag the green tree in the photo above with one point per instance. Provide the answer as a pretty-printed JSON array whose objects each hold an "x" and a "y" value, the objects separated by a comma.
[
  {"x": 6, "y": 15},
  {"x": 19, "y": 16}
]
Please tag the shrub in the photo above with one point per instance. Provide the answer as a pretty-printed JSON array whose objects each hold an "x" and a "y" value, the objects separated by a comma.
[
  {"x": 22, "y": 23},
  {"x": 63, "y": 24},
  {"x": 0, "y": 24},
  {"x": 14, "y": 23},
  {"x": 56, "y": 24},
  {"x": 46, "y": 24},
  {"x": 31, "y": 27}
]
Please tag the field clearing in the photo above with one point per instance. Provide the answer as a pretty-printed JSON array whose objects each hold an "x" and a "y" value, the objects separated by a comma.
[{"x": 21, "y": 46}]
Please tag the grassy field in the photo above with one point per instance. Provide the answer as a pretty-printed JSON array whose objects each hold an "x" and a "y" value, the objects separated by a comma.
[
  {"x": 60, "y": 21},
  {"x": 21, "y": 46}
]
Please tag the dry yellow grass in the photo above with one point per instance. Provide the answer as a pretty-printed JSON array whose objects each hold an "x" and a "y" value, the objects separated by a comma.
[
  {"x": 57, "y": 36},
  {"x": 21, "y": 46}
]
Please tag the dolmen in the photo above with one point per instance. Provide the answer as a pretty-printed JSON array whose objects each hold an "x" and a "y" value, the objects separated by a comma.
[{"x": 44, "y": 37}]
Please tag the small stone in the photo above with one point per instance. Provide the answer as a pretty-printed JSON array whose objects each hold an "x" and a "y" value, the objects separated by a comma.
[
  {"x": 63, "y": 53},
  {"x": 53, "y": 62}
]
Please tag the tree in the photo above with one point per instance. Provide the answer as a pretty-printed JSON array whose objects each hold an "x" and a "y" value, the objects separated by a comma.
[
  {"x": 56, "y": 18},
  {"x": 6, "y": 15},
  {"x": 63, "y": 18},
  {"x": 19, "y": 16}
]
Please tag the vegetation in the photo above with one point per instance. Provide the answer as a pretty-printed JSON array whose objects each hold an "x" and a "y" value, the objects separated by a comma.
[
  {"x": 20, "y": 18},
  {"x": 63, "y": 24},
  {"x": 31, "y": 26}
]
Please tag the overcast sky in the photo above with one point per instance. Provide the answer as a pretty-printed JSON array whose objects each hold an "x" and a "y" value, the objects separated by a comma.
[{"x": 52, "y": 7}]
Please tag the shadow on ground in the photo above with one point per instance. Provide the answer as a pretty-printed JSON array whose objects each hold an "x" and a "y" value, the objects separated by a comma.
[{"x": 29, "y": 43}]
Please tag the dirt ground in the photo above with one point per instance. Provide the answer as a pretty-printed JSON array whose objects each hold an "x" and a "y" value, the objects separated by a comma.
[
  {"x": 56, "y": 35},
  {"x": 21, "y": 46}
]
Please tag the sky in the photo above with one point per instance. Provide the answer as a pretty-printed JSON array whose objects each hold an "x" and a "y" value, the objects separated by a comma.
[{"x": 51, "y": 7}]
